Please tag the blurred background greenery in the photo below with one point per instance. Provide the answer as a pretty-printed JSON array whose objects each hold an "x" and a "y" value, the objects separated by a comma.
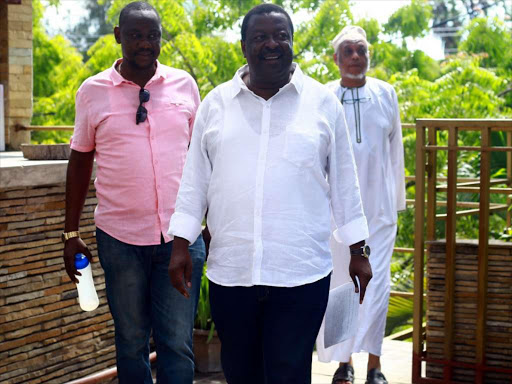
[{"x": 472, "y": 81}]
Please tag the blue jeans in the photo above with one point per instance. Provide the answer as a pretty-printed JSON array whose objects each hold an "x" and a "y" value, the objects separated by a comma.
[
  {"x": 142, "y": 299},
  {"x": 268, "y": 333}
]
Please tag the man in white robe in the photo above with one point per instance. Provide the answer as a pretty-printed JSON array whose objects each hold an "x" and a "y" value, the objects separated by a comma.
[{"x": 373, "y": 118}]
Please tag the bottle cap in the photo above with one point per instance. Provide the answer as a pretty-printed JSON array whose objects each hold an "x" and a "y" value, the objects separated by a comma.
[{"x": 81, "y": 261}]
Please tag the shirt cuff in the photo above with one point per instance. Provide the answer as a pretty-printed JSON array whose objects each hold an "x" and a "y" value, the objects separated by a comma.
[
  {"x": 352, "y": 232},
  {"x": 185, "y": 226}
]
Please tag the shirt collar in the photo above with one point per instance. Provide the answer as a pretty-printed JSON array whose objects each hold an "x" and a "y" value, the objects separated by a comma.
[
  {"x": 238, "y": 84},
  {"x": 118, "y": 79}
]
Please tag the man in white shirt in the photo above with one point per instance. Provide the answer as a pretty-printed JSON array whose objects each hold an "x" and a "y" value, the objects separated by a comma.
[
  {"x": 373, "y": 117},
  {"x": 270, "y": 160}
]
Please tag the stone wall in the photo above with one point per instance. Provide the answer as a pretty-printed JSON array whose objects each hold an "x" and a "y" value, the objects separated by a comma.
[
  {"x": 16, "y": 68},
  {"x": 498, "y": 347},
  {"x": 44, "y": 335}
]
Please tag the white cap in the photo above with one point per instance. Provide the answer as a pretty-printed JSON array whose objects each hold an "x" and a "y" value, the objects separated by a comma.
[{"x": 351, "y": 33}]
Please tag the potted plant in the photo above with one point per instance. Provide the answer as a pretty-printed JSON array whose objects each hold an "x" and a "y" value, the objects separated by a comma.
[{"x": 206, "y": 340}]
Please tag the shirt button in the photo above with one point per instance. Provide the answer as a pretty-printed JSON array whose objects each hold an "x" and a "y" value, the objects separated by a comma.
[
  {"x": 156, "y": 161},
  {"x": 160, "y": 210},
  {"x": 152, "y": 137}
]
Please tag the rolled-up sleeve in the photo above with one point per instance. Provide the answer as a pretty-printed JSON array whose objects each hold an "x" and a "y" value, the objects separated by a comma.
[
  {"x": 346, "y": 205},
  {"x": 191, "y": 202}
]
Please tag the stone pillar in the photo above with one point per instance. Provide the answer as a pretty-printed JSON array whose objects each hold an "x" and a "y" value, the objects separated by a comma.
[{"x": 16, "y": 68}]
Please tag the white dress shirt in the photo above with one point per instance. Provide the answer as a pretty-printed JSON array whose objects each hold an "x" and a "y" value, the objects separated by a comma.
[{"x": 270, "y": 173}]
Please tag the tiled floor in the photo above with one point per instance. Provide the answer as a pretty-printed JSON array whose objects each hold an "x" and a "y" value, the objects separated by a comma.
[{"x": 396, "y": 365}]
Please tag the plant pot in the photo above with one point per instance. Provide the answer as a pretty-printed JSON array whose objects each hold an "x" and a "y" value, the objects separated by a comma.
[{"x": 206, "y": 355}]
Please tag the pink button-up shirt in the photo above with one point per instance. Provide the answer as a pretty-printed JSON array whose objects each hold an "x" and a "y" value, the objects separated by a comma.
[{"x": 139, "y": 167}]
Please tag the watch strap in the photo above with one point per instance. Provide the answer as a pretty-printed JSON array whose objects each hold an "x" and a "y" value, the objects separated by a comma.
[
  {"x": 363, "y": 250},
  {"x": 69, "y": 235},
  {"x": 357, "y": 251}
]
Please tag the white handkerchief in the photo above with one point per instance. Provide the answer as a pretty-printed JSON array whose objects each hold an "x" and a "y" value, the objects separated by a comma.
[{"x": 341, "y": 315}]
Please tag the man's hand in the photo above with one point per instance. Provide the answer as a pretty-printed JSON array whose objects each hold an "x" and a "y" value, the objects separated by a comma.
[
  {"x": 180, "y": 266},
  {"x": 71, "y": 248},
  {"x": 78, "y": 177},
  {"x": 360, "y": 267}
]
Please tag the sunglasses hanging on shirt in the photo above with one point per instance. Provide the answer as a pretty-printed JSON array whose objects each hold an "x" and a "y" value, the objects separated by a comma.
[
  {"x": 357, "y": 113},
  {"x": 142, "y": 112}
]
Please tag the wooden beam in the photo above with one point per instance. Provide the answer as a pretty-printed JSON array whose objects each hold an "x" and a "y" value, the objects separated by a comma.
[
  {"x": 405, "y": 295},
  {"x": 467, "y": 204},
  {"x": 474, "y": 211},
  {"x": 466, "y": 124},
  {"x": 431, "y": 186},
  {"x": 403, "y": 250},
  {"x": 483, "y": 244},
  {"x": 451, "y": 209},
  {"x": 419, "y": 254},
  {"x": 476, "y": 183},
  {"x": 509, "y": 176},
  {"x": 435, "y": 148},
  {"x": 19, "y": 127},
  {"x": 503, "y": 191}
]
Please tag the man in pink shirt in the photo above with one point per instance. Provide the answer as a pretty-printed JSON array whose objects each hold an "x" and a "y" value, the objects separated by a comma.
[{"x": 136, "y": 119}]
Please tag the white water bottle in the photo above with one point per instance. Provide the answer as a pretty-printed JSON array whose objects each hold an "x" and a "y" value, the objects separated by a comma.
[{"x": 87, "y": 296}]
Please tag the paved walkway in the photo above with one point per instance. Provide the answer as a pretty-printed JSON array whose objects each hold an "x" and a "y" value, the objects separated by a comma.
[{"x": 396, "y": 365}]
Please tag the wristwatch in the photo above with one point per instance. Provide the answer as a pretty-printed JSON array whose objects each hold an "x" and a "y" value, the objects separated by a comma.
[
  {"x": 364, "y": 251},
  {"x": 69, "y": 235}
]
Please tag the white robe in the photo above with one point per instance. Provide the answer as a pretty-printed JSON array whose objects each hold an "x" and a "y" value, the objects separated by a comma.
[{"x": 380, "y": 168}]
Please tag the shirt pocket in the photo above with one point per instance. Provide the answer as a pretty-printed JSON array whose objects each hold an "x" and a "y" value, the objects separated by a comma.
[
  {"x": 175, "y": 113},
  {"x": 180, "y": 106},
  {"x": 300, "y": 148}
]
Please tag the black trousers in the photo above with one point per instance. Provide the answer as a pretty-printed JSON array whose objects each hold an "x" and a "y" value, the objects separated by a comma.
[{"x": 268, "y": 333}]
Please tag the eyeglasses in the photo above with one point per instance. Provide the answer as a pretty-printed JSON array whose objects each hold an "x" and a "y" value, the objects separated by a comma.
[{"x": 142, "y": 112}]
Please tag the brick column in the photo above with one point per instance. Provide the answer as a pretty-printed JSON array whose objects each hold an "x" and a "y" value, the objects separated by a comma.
[{"x": 16, "y": 68}]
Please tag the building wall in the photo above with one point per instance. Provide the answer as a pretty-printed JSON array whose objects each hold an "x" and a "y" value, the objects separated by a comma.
[
  {"x": 44, "y": 335},
  {"x": 16, "y": 69}
]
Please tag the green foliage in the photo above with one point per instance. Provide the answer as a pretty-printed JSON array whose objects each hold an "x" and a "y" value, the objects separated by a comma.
[
  {"x": 198, "y": 37},
  {"x": 312, "y": 40},
  {"x": 372, "y": 29},
  {"x": 55, "y": 62},
  {"x": 204, "y": 316},
  {"x": 491, "y": 38},
  {"x": 399, "y": 314},
  {"x": 92, "y": 25},
  {"x": 411, "y": 20}
]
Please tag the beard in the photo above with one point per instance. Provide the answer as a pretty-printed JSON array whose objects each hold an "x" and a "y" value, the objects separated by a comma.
[{"x": 361, "y": 75}]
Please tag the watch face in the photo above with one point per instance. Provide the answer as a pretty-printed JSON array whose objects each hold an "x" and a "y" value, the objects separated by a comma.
[
  {"x": 367, "y": 250},
  {"x": 63, "y": 237}
]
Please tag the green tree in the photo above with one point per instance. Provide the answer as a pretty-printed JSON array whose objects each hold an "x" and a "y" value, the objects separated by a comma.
[
  {"x": 91, "y": 26},
  {"x": 55, "y": 62},
  {"x": 492, "y": 38},
  {"x": 411, "y": 20},
  {"x": 201, "y": 37}
]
